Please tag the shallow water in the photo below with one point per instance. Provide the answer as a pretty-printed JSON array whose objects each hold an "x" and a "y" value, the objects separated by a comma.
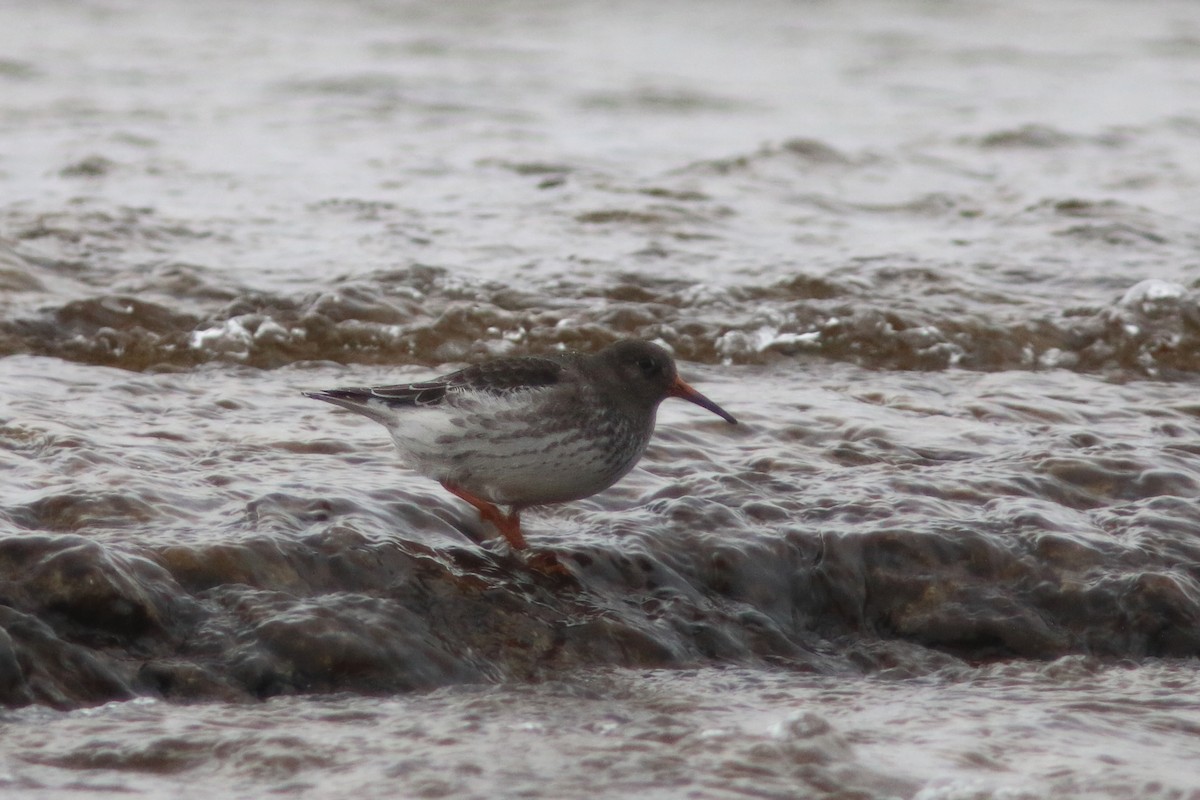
[
  {"x": 940, "y": 261},
  {"x": 1070, "y": 728}
]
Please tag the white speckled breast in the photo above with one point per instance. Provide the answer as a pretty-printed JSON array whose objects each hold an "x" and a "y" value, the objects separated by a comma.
[{"x": 518, "y": 450}]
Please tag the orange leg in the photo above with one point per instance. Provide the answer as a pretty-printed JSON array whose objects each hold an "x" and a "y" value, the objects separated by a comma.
[{"x": 509, "y": 525}]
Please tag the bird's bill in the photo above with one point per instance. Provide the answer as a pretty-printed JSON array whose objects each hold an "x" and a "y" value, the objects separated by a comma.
[{"x": 682, "y": 390}]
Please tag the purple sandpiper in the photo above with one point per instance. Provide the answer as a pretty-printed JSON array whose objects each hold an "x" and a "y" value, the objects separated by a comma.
[{"x": 528, "y": 431}]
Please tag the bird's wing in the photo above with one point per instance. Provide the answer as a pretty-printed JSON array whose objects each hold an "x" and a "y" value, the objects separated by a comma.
[{"x": 500, "y": 377}]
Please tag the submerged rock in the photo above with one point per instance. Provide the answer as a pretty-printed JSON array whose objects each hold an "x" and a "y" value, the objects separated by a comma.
[{"x": 82, "y": 623}]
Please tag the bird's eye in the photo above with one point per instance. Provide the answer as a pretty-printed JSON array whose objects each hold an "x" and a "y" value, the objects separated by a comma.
[{"x": 648, "y": 366}]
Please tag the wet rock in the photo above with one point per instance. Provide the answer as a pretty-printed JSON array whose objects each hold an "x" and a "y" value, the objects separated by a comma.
[
  {"x": 179, "y": 678},
  {"x": 13, "y": 688},
  {"x": 961, "y": 591},
  {"x": 333, "y": 610},
  {"x": 58, "y": 672},
  {"x": 78, "y": 616},
  {"x": 90, "y": 590},
  {"x": 338, "y": 642}
]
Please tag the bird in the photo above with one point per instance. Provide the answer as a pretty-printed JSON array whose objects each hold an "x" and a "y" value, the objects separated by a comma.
[{"x": 528, "y": 430}]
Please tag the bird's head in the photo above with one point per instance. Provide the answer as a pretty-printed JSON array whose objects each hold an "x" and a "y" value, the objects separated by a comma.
[{"x": 647, "y": 373}]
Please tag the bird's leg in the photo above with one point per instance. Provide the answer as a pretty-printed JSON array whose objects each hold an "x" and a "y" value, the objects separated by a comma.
[{"x": 509, "y": 525}]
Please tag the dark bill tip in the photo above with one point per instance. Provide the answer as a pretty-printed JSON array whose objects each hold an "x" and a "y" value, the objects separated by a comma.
[{"x": 682, "y": 390}]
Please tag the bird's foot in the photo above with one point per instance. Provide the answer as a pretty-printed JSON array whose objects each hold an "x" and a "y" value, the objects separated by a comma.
[
  {"x": 509, "y": 525},
  {"x": 548, "y": 562}
]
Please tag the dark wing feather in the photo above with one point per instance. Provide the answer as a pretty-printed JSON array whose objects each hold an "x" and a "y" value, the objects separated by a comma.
[{"x": 498, "y": 377}]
